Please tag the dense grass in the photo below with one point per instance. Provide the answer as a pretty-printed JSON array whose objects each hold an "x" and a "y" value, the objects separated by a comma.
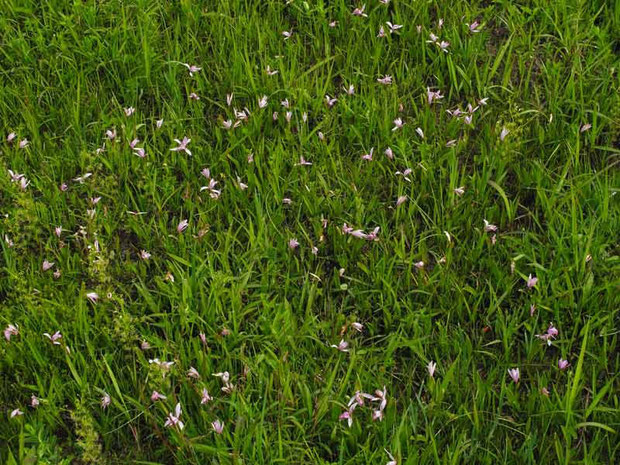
[{"x": 269, "y": 313}]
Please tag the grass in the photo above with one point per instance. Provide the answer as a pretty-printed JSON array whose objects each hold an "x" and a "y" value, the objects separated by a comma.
[{"x": 547, "y": 68}]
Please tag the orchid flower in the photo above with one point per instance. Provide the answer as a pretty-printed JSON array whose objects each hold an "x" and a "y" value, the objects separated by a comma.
[
  {"x": 34, "y": 401},
  {"x": 159, "y": 123},
  {"x": 347, "y": 415},
  {"x": 343, "y": 346},
  {"x": 431, "y": 367},
  {"x": 205, "y": 397},
  {"x": 15, "y": 413},
  {"x": 271, "y": 72},
  {"x": 23, "y": 143},
  {"x": 303, "y": 162},
  {"x": 459, "y": 191},
  {"x": 368, "y": 156},
  {"x": 385, "y": 80},
  {"x": 293, "y": 244},
  {"x": 229, "y": 98},
  {"x": 193, "y": 373},
  {"x": 129, "y": 111},
  {"x": 105, "y": 401},
  {"x": 287, "y": 34},
  {"x": 55, "y": 338},
  {"x": 11, "y": 137},
  {"x": 92, "y": 296},
  {"x": 398, "y": 124},
  {"x": 359, "y": 327},
  {"x": 155, "y": 396},
  {"x": 182, "y": 146},
  {"x": 393, "y": 27},
  {"x": 585, "y": 127},
  {"x": 83, "y": 177},
  {"x": 175, "y": 419},
  {"x": 420, "y": 132},
  {"x": 381, "y": 32},
  {"x": 402, "y": 199},
  {"x": 389, "y": 153},
  {"x": 474, "y": 27},
  {"x": 10, "y": 330},
  {"x": 563, "y": 364},
  {"x": 360, "y": 12},
  {"x": 144, "y": 255},
  {"x": 262, "y": 102},
  {"x": 349, "y": 90},
  {"x": 47, "y": 265},
  {"x": 488, "y": 227},
  {"x": 192, "y": 68},
  {"x": 182, "y": 226},
  {"x": 514, "y": 374},
  {"x": 217, "y": 426},
  {"x": 531, "y": 281},
  {"x": 503, "y": 134},
  {"x": 330, "y": 101}
]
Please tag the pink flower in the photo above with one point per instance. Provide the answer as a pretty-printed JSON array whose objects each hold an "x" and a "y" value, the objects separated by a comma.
[
  {"x": 193, "y": 373},
  {"x": 531, "y": 281},
  {"x": 174, "y": 419},
  {"x": 55, "y": 338},
  {"x": 217, "y": 426},
  {"x": 194, "y": 96},
  {"x": 377, "y": 415},
  {"x": 398, "y": 124},
  {"x": 488, "y": 227},
  {"x": 347, "y": 415},
  {"x": 93, "y": 297},
  {"x": 15, "y": 177},
  {"x": 23, "y": 143},
  {"x": 357, "y": 326},
  {"x": 381, "y": 397},
  {"x": 392, "y": 461},
  {"x": 287, "y": 34},
  {"x": 182, "y": 146},
  {"x": 563, "y": 364},
  {"x": 182, "y": 226},
  {"x": 159, "y": 123},
  {"x": 431, "y": 96},
  {"x": 303, "y": 162},
  {"x": 419, "y": 265},
  {"x": 83, "y": 177},
  {"x": 47, "y": 265},
  {"x": 368, "y": 156},
  {"x": 129, "y": 111},
  {"x": 349, "y": 90},
  {"x": 203, "y": 338},
  {"x": 343, "y": 346},
  {"x": 431, "y": 367},
  {"x": 373, "y": 235},
  {"x": 192, "y": 69},
  {"x": 155, "y": 396},
  {"x": 105, "y": 400},
  {"x": 11, "y": 137},
  {"x": 474, "y": 27},
  {"x": 459, "y": 191},
  {"x": 503, "y": 134},
  {"x": 293, "y": 244},
  {"x": 23, "y": 183},
  {"x": 381, "y": 32},
  {"x": 330, "y": 101},
  {"x": 402, "y": 199},
  {"x": 385, "y": 80},
  {"x": 140, "y": 152},
  {"x": 443, "y": 46},
  {"x": 11, "y": 330},
  {"x": 262, "y": 102},
  {"x": 271, "y": 72},
  {"x": 110, "y": 134},
  {"x": 229, "y": 98},
  {"x": 514, "y": 374},
  {"x": 389, "y": 153},
  {"x": 205, "y": 397},
  {"x": 58, "y": 230},
  {"x": 15, "y": 413},
  {"x": 360, "y": 12},
  {"x": 393, "y": 27},
  {"x": 287, "y": 201},
  {"x": 585, "y": 127},
  {"x": 545, "y": 392},
  {"x": 34, "y": 401}
]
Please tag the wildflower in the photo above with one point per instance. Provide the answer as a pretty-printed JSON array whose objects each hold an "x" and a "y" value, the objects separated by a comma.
[
  {"x": 381, "y": 32},
  {"x": 34, "y": 401},
  {"x": 47, "y": 265},
  {"x": 349, "y": 90},
  {"x": 203, "y": 338},
  {"x": 443, "y": 46},
  {"x": 385, "y": 80},
  {"x": 15, "y": 413},
  {"x": 545, "y": 392},
  {"x": 431, "y": 96},
  {"x": 217, "y": 426},
  {"x": 321, "y": 136},
  {"x": 92, "y": 296},
  {"x": 372, "y": 236},
  {"x": 11, "y": 137},
  {"x": 111, "y": 134},
  {"x": 293, "y": 244},
  {"x": 140, "y": 152},
  {"x": 360, "y": 12},
  {"x": 57, "y": 274},
  {"x": 175, "y": 419},
  {"x": 144, "y": 345},
  {"x": 333, "y": 24},
  {"x": 155, "y": 396},
  {"x": 194, "y": 96},
  {"x": 55, "y": 338},
  {"x": 10, "y": 330},
  {"x": 287, "y": 34},
  {"x": 420, "y": 132},
  {"x": 381, "y": 397},
  {"x": 23, "y": 183},
  {"x": 377, "y": 415},
  {"x": 419, "y": 265},
  {"x": 242, "y": 185},
  {"x": 585, "y": 127},
  {"x": 205, "y": 397},
  {"x": 347, "y": 415},
  {"x": 159, "y": 123},
  {"x": 531, "y": 281},
  {"x": 229, "y": 98},
  {"x": 474, "y": 27},
  {"x": 368, "y": 156},
  {"x": 182, "y": 226},
  {"x": 182, "y": 146},
  {"x": 193, "y": 373},
  {"x": 330, "y": 101},
  {"x": 389, "y": 153},
  {"x": 357, "y": 326},
  {"x": 402, "y": 199},
  {"x": 503, "y": 134},
  {"x": 392, "y": 461},
  {"x": 459, "y": 191},
  {"x": 384, "y": 2},
  {"x": 287, "y": 201},
  {"x": 431, "y": 367},
  {"x": 23, "y": 143},
  {"x": 532, "y": 309},
  {"x": 271, "y": 72},
  {"x": 15, "y": 177},
  {"x": 398, "y": 124},
  {"x": 563, "y": 364},
  {"x": 343, "y": 346},
  {"x": 105, "y": 400},
  {"x": 288, "y": 116},
  {"x": 83, "y": 177},
  {"x": 393, "y": 27},
  {"x": 488, "y": 227},
  {"x": 129, "y": 111},
  {"x": 262, "y": 102},
  {"x": 303, "y": 162},
  {"x": 514, "y": 374},
  {"x": 192, "y": 69}
]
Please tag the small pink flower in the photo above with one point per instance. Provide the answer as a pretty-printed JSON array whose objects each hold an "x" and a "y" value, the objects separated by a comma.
[
  {"x": 55, "y": 338},
  {"x": 287, "y": 34},
  {"x": 262, "y": 102},
  {"x": 393, "y": 27},
  {"x": 129, "y": 111},
  {"x": 402, "y": 199},
  {"x": 488, "y": 227},
  {"x": 140, "y": 152},
  {"x": 271, "y": 72},
  {"x": 217, "y": 426},
  {"x": 389, "y": 153},
  {"x": 159, "y": 123},
  {"x": 459, "y": 191},
  {"x": 182, "y": 146},
  {"x": 431, "y": 367},
  {"x": 545, "y": 392},
  {"x": 585, "y": 127},
  {"x": 303, "y": 162},
  {"x": 503, "y": 134},
  {"x": 174, "y": 419},
  {"x": 57, "y": 274},
  {"x": 203, "y": 338},
  {"x": 194, "y": 96},
  {"x": 381, "y": 32},
  {"x": 192, "y": 69},
  {"x": 58, "y": 230},
  {"x": 287, "y": 201},
  {"x": 11, "y": 137},
  {"x": 514, "y": 374},
  {"x": 532, "y": 309},
  {"x": 34, "y": 401},
  {"x": 47, "y": 265},
  {"x": 368, "y": 156},
  {"x": 330, "y": 101},
  {"x": 360, "y": 12},
  {"x": 111, "y": 134},
  {"x": 182, "y": 226},
  {"x": 398, "y": 124},
  {"x": 347, "y": 415},
  {"x": 474, "y": 27},
  {"x": 431, "y": 96},
  {"x": 531, "y": 281},
  {"x": 420, "y": 132},
  {"x": 155, "y": 396},
  {"x": 349, "y": 90},
  {"x": 563, "y": 364},
  {"x": 23, "y": 143},
  {"x": 193, "y": 373},
  {"x": 205, "y": 397},
  {"x": 144, "y": 255},
  {"x": 10, "y": 330},
  {"x": 343, "y": 346},
  {"x": 357, "y": 326},
  {"x": 64, "y": 187},
  {"x": 105, "y": 400},
  {"x": 229, "y": 98},
  {"x": 419, "y": 265},
  {"x": 293, "y": 244},
  {"x": 385, "y": 80},
  {"x": 17, "y": 412},
  {"x": 93, "y": 297}
]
